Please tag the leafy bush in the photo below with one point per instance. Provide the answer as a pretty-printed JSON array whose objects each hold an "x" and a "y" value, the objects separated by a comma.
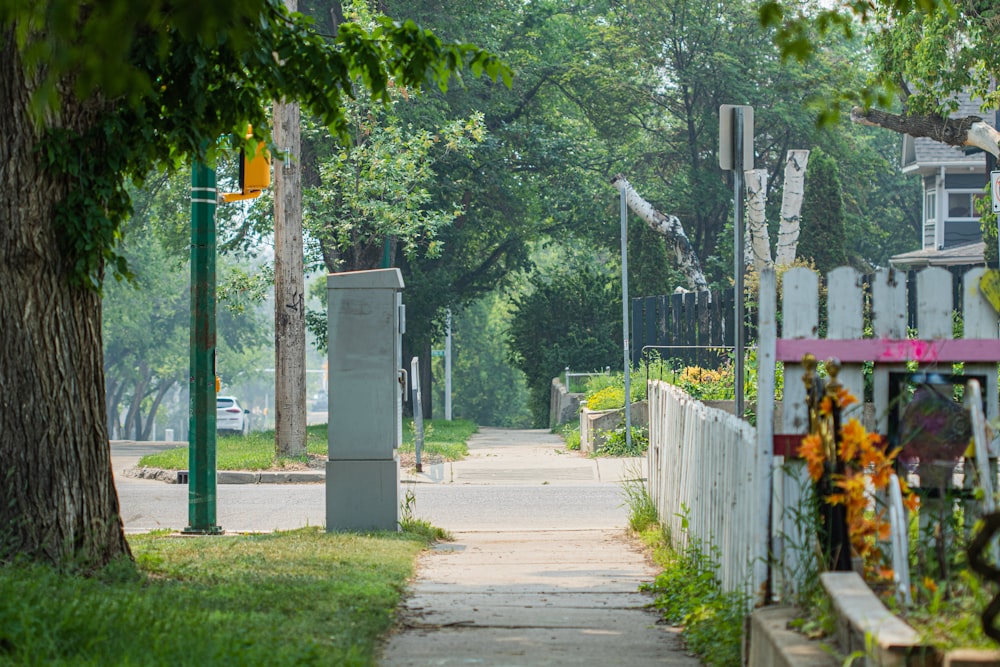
[
  {"x": 615, "y": 445},
  {"x": 608, "y": 398},
  {"x": 572, "y": 440},
  {"x": 607, "y": 392},
  {"x": 570, "y": 432},
  {"x": 688, "y": 593}
]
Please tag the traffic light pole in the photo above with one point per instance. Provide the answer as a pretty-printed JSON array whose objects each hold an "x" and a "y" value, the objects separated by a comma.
[{"x": 201, "y": 431}]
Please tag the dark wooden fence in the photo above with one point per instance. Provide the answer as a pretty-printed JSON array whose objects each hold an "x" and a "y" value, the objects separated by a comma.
[{"x": 692, "y": 329}]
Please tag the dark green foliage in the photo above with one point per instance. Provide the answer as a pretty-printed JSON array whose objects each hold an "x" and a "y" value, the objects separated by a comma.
[
  {"x": 570, "y": 319},
  {"x": 184, "y": 76},
  {"x": 485, "y": 387},
  {"x": 822, "y": 235},
  {"x": 652, "y": 270}
]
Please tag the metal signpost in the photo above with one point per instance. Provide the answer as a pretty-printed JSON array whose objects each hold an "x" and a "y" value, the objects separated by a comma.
[
  {"x": 735, "y": 154},
  {"x": 255, "y": 176},
  {"x": 201, "y": 441},
  {"x": 628, "y": 360}
]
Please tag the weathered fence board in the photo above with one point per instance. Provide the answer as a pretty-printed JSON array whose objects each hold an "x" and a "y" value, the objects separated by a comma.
[{"x": 719, "y": 504}]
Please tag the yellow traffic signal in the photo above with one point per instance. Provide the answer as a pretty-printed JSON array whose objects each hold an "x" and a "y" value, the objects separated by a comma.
[{"x": 255, "y": 173}]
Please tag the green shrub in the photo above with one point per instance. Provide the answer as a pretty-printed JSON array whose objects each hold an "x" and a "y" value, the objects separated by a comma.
[
  {"x": 688, "y": 594},
  {"x": 607, "y": 392},
  {"x": 616, "y": 445},
  {"x": 608, "y": 398},
  {"x": 573, "y": 440},
  {"x": 642, "y": 513}
]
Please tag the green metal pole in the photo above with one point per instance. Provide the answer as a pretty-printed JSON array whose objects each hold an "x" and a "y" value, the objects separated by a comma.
[{"x": 201, "y": 431}]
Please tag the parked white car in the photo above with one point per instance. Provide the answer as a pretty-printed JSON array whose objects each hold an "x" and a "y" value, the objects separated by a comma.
[{"x": 230, "y": 416}]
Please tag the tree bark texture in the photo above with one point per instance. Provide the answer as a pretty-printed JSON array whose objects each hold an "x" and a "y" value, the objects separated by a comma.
[
  {"x": 58, "y": 501},
  {"x": 668, "y": 226},
  {"x": 289, "y": 286},
  {"x": 758, "y": 240},
  {"x": 968, "y": 131},
  {"x": 791, "y": 206}
]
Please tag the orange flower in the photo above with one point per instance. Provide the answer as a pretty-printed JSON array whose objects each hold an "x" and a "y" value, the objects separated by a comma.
[
  {"x": 825, "y": 406},
  {"x": 852, "y": 436},
  {"x": 844, "y": 398},
  {"x": 880, "y": 477},
  {"x": 930, "y": 584},
  {"x": 837, "y": 499},
  {"x": 853, "y": 487},
  {"x": 912, "y": 502},
  {"x": 811, "y": 450},
  {"x": 886, "y": 573},
  {"x": 884, "y": 531}
]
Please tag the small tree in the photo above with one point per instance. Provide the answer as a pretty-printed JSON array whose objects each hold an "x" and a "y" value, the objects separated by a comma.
[
  {"x": 822, "y": 237},
  {"x": 571, "y": 319}
]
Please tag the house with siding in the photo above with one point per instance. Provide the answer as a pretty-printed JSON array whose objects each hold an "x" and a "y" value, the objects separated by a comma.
[{"x": 952, "y": 181}]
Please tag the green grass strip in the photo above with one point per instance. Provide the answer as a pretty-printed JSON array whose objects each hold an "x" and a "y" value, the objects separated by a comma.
[
  {"x": 303, "y": 597},
  {"x": 256, "y": 451}
]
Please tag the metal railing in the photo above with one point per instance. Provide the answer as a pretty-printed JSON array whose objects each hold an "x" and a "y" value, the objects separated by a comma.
[{"x": 569, "y": 375}]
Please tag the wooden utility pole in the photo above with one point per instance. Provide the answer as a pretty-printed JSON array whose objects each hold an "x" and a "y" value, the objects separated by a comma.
[{"x": 289, "y": 284}]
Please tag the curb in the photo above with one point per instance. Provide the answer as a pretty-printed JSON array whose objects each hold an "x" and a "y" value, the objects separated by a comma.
[{"x": 229, "y": 476}]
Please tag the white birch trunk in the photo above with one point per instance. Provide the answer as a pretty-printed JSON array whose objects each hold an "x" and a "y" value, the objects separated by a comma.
[
  {"x": 758, "y": 241},
  {"x": 791, "y": 206},
  {"x": 670, "y": 228}
]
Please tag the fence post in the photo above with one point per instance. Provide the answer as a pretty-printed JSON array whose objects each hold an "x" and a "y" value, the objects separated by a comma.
[{"x": 767, "y": 332}]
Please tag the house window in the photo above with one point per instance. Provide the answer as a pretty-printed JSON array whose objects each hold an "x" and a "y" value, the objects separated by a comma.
[
  {"x": 963, "y": 204},
  {"x": 930, "y": 218},
  {"x": 962, "y": 224}
]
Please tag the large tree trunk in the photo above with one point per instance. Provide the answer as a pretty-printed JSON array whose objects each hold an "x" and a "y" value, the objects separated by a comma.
[
  {"x": 58, "y": 501},
  {"x": 968, "y": 131},
  {"x": 670, "y": 228},
  {"x": 758, "y": 241},
  {"x": 791, "y": 206},
  {"x": 289, "y": 286}
]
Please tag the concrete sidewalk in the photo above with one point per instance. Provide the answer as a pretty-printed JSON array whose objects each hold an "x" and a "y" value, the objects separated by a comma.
[{"x": 533, "y": 589}]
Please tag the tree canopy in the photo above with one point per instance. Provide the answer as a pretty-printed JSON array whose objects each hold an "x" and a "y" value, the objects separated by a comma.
[{"x": 926, "y": 55}]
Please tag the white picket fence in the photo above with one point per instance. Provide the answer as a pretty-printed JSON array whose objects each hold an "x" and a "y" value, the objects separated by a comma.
[
  {"x": 703, "y": 466},
  {"x": 741, "y": 499}
]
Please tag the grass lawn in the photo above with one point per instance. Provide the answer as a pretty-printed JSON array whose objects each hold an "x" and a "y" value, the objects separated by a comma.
[
  {"x": 302, "y": 597},
  {"x": 256, "y": 451}
]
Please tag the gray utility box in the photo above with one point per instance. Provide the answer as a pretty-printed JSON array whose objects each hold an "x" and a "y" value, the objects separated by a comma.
[{"x": 366, "y": 322}]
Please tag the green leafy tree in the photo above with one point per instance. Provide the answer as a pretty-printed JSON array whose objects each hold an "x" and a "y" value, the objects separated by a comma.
[
  {"x": 566, "y": 319},
  {"x": 95, "y": 95},
  {"x": 822, "y": 236},
  {"x": 147, "y": 321},
  {"x": 485, "y": 387}
]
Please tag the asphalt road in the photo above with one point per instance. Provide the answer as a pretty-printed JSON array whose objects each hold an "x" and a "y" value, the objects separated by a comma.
[
  {"x": 149, "y": 505},
  {"x": 542, "y": 489}
]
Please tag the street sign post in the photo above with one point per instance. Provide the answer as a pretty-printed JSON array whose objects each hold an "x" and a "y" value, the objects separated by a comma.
[{"x": 736, "y": 154}]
